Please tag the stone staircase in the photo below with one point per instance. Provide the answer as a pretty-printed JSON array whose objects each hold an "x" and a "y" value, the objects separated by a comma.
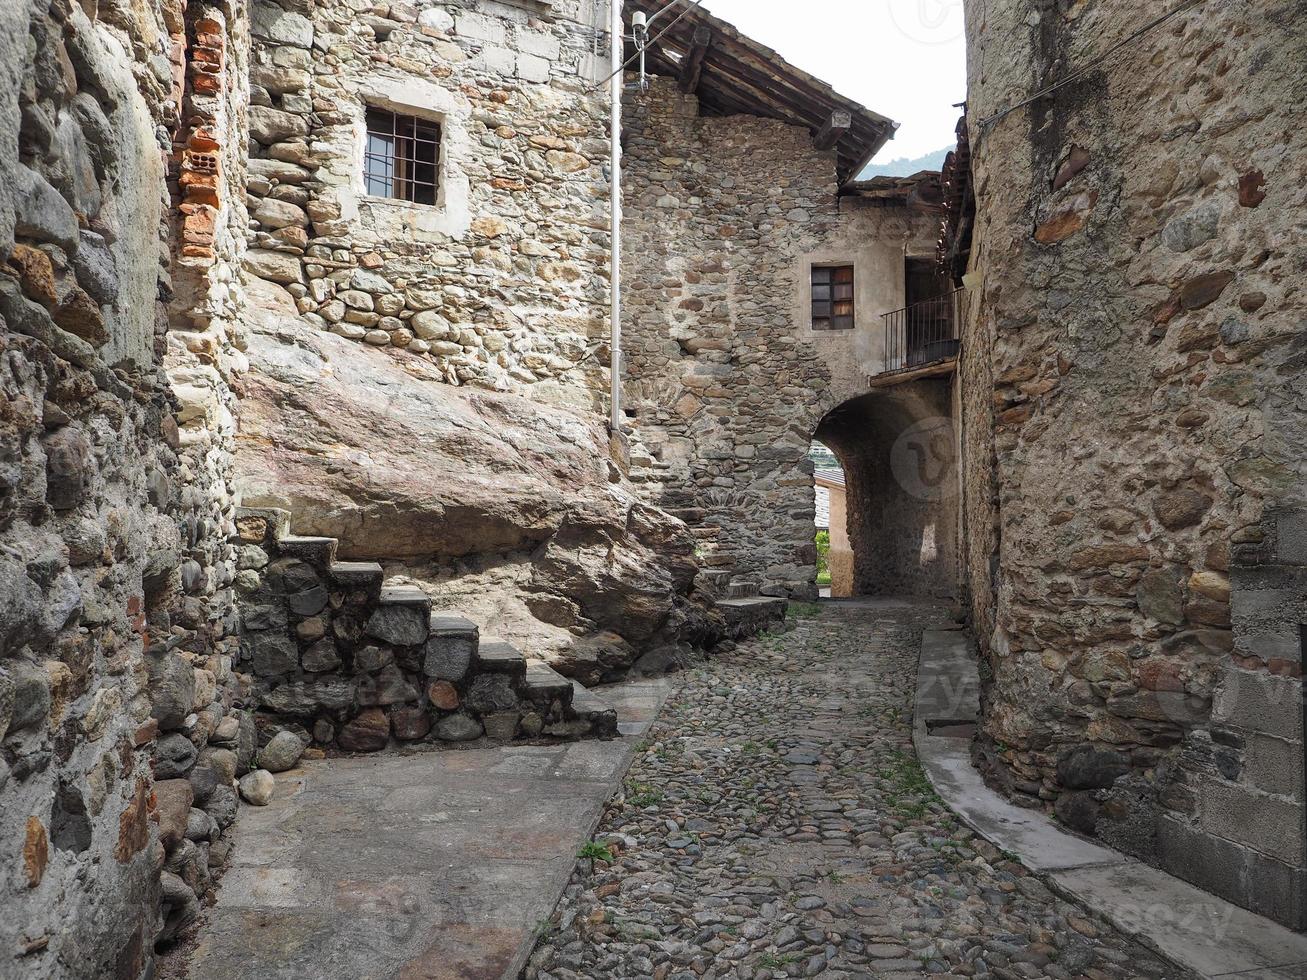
[
  {"x": 357, "y": 665},
  {"x": 746, "y": 612}
]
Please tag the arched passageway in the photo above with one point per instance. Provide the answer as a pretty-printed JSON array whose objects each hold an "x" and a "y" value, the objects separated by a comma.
[{"x": 897, "y": 449}]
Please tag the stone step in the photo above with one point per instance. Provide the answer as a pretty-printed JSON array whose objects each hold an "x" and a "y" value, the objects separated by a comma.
[
  {"x": 753, "y": 602},
  {"x": 451, "y": 646},
  {"x": 319, "y": 551},
  {"x": 454, "y": 626},
  {"x": 691, "y": 515},
  {"x": 741, "y": 588},
  {"x": 405, "y": 595},
  {"x": 401, "y": 617},
  {"x": 366, "y": 575},
  {"x": 498, "y": 657},
  {"x": 543, "y": 683},
  {"x": 712, "y": 581},
  {"x": 274, "y": 522},
  {"x": 591, "y": 707},
  {"x": 751, "y": 615}
]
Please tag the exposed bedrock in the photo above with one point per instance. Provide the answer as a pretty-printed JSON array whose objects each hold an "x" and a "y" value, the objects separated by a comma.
[{"x": 511, "y": 511}]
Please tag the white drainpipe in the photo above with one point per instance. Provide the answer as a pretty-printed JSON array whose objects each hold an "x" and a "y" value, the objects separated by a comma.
[{"x": 617, "y": 31}]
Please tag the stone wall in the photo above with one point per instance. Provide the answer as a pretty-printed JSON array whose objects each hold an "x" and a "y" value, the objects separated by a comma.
[
  {"x": 726, "y": 380},
  {"x": 1138, "y": 343},
  {"x": 503, "y": 282},
  {"x": 116, "y": 693}
]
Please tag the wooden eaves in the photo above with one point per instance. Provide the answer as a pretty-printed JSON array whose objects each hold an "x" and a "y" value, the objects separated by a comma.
[{"x": 732, "y": 74}]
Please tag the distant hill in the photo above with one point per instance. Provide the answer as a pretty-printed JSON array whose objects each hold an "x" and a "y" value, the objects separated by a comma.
[{"x": 905, "y": 167}]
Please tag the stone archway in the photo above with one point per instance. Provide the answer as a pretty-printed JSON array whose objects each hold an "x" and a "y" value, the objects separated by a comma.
[{"x": 897, "y": 448}]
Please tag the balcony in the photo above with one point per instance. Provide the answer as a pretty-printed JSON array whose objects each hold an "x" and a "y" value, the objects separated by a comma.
[{"x": 922, "y": 340}]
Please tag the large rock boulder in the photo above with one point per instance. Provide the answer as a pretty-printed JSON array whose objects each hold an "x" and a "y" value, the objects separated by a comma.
[{"x": 510, "y": 511}]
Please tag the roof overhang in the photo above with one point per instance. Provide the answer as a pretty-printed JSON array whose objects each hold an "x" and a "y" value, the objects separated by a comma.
[
  {"x": 922, "y": 190},
  {"x": 732, "y": 74}
]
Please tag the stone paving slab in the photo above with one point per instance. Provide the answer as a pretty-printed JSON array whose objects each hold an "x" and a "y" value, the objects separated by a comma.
[
  {"x": 424, "y": 865},
  {"x": 1191, "y": 927}
]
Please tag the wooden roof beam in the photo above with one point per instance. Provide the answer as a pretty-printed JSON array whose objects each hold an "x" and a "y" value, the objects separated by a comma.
[
  {"x": 833, "y": 129},
  {"x": 692, "y": 62}
]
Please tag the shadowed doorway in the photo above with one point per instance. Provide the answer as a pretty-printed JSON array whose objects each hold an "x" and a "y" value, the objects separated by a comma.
[{"x": 897, "y": 451}]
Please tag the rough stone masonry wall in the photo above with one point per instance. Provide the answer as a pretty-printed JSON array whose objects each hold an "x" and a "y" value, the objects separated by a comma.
[
  {"x": 345, "y": 663},
  {"x": 116, "y": 692},
  {"x": 1140, "y": 273},
  {"x": 503, "y": 283},
  {"x": 722, "y": 220}
]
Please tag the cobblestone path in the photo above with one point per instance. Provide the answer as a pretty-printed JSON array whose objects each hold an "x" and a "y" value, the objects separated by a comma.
[{"x": 776, "y": 824}]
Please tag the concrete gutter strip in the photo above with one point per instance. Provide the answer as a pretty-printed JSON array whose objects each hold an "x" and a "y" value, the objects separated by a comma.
[
  {"x": 1185, "y": 924},
  {"x": 1041, "y": 845},
  {"x": 1194, "y": 929},
  {"x": 590, "y": 820}
]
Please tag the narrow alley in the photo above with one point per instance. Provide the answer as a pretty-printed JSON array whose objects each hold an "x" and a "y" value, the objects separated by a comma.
[{"x": 776, "y": 823}]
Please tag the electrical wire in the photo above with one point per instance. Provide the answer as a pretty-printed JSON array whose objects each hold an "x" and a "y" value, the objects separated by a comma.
[
  {"x": 635, "y": 57},
  {"x": 669, "y": 6},
  {"x": 1084, "y": 69}
]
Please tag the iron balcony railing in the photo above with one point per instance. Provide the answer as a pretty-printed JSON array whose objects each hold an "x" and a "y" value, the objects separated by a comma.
[{"x": 923, "y": 333}]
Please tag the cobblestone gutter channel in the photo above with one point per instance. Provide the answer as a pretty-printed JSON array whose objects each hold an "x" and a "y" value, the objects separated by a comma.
[{"x": 776, "y": 823}]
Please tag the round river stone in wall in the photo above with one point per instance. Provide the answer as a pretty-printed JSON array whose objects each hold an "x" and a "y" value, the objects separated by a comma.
[
  {"x": 491, "y": 693},
  {"x": 458, "y": 728}
]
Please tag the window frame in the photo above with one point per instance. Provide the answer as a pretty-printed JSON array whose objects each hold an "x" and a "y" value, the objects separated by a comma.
[
  {"x": 409, "y": 134},
  {"x": 832, "y": 285}
]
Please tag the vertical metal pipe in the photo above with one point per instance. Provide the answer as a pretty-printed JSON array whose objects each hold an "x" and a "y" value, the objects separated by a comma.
[{"x": 615, "y": 209}]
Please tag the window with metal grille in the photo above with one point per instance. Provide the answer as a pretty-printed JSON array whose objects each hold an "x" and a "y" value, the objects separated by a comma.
[
  {"x": 832, "y": 297},
  {"x": 402, "y": 157}
]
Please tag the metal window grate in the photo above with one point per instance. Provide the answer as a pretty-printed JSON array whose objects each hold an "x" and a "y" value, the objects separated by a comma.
[
  {"x": 832, "y": 297},
  {"x": 401, "y": 158}
]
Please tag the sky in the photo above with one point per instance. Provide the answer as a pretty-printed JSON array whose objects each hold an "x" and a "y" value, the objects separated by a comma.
[{"x": 905, "y": 59}]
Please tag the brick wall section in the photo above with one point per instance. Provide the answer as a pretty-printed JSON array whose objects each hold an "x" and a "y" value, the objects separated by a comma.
[
  {"x": 726, "y": 381},
  {"x": 1138, "y": 340},
  {"x": 198, "y": 158}
]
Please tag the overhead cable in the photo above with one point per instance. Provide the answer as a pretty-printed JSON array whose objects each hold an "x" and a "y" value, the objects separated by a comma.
[
  {"x": 1084, "y": 69},
  {"x": 635, "y": 57}
]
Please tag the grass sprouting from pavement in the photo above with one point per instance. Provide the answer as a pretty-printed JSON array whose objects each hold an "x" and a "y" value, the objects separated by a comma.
[{"x": 802, "y": 610}]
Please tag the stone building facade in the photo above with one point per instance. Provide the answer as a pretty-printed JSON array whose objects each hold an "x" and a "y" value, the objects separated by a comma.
[
  {"x": 726, "y": 380},
  {"x": 832, "y": 517},
  {"x": 502, "y": 280},
  {"x": 1133, "y": 442}
]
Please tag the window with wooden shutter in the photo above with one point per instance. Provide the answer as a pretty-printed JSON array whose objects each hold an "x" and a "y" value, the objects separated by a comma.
[
  {"x": 832, "y": 297},
  {"x": 402, "y": 157}
]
